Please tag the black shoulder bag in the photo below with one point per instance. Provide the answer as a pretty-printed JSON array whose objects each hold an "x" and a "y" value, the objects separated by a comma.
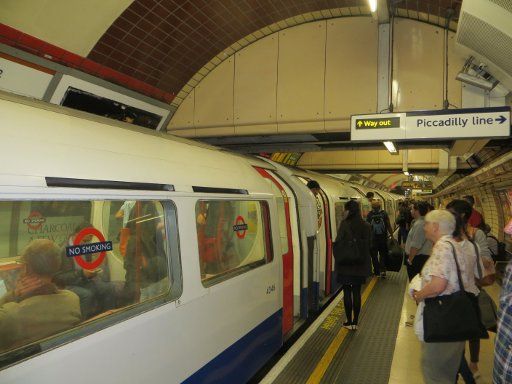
[
  {"x": 454, "y": 317},
  {"x": 346, "y": 251}
]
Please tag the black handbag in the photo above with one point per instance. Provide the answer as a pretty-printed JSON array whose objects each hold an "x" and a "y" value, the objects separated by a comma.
[
  {"x": 454, "y": 317},
  {"x": 346, "y": 251}
]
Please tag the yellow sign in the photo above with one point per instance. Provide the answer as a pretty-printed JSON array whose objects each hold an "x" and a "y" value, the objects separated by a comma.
[{"x": 378, "y": 122}]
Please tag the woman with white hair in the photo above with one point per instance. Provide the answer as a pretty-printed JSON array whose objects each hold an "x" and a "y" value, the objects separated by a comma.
[{"x": 441, "y": 361}]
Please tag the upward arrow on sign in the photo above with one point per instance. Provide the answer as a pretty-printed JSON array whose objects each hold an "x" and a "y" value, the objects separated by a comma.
[{"x": 359, "y": 123}]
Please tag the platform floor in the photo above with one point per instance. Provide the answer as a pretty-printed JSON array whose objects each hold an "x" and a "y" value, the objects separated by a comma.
[{"x": 383, "y": 350}]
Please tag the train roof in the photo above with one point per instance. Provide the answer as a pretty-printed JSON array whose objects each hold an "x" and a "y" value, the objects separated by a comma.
[{"x": 41, "y": 140}]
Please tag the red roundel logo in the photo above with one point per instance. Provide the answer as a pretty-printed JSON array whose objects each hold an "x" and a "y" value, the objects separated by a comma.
[
  {"x": 240, "y": 227},
  {"x": 78, "y": 239},
  {"x": 34, "y": 220}
]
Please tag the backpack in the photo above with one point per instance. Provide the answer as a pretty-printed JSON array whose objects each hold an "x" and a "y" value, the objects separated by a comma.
[
  {"x": 378, "y": 223},
  {"x": 502, "y": 252}
]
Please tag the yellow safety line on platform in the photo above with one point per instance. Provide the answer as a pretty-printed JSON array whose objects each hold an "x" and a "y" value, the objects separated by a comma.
[{"x": 327, "y": 358}]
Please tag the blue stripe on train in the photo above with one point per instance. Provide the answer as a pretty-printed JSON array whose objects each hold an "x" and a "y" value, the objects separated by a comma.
[{"x": 242, "y": 360}]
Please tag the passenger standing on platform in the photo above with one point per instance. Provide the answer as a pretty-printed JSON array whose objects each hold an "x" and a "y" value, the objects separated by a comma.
[
  {"x": 352, "y": 277},
  {"x": 441, "y": 361},
  {"x": 464, "y": 211},
  {"x": 314, "y": 186},
  {"x": 380, "y": 227},
  {"x": 476, "y": 217},
  {"x": 403, "y": 221},
  {"x": 502, "y": 372},
  {"x": 417, "y": 246}
]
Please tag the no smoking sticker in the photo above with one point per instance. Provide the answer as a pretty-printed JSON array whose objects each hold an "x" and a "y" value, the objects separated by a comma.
[
  {"x": 240, "y": 227},
  {"x": 77, "y": 250}
]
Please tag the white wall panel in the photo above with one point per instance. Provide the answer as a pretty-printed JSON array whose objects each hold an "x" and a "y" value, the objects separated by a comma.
[
  {"x": 351, "y": 68},
  {"x": 74, "y": 25},
  {"x": 184, "y": 116},
  {"x": 417, "y": 66},
  {"x": 300, "y": 91},
  {"x": 214, "y": 97},
  {"x": 256, "y": 83}
]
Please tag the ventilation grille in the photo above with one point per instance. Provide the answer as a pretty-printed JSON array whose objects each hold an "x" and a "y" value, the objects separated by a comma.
[
  {"x": 486, "y": 40},
  {"x": 507, "y": 4}
]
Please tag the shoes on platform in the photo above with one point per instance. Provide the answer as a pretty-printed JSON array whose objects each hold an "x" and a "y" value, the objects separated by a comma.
[{"x": 350, "y": 326}]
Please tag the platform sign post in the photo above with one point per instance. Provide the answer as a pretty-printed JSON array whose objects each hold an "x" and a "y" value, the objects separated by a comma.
[{"x": 431, "y": 125}]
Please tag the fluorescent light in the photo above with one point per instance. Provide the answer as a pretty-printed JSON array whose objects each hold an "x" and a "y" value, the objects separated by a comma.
[
  {"x": 373, "y": 5},
  {"x": 406, "y": 173},
  {"x": 390, "y": 146}
]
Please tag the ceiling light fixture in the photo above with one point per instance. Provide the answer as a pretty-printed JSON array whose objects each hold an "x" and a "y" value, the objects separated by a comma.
[
  {"x": 373, "y": 5},
  {"x": 406, "y": 173},
  {"x": 390, "y": 146},
  {"x": 476, "y": 81}
]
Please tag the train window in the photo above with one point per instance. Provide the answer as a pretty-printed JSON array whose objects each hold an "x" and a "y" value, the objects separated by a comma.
[
  {"x": 67, "y": 264},
  {"x": 281, "y": 212},
  {"x": 339, "y": 208},
  {"x": 233, "y": 237}
]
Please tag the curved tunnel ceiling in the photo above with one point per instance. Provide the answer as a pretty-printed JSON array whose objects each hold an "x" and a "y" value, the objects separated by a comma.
[{"x": 165, "y": 42}]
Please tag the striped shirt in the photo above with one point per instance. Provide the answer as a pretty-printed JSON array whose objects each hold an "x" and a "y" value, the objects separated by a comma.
[{"x": 502, "y": 373}]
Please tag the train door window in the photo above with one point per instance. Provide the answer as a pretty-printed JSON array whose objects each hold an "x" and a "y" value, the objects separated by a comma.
[
  {"x": 63, "y": 267},
  {"x": 339, "y": 208},
  {"x": 281, "y": 212},
  {"x": 233, "y": 237}
]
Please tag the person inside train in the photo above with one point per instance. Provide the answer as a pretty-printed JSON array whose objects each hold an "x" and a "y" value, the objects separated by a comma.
[
  {"x": 36, "y": 308},
  {"x": 380, "y": 228},
  {"x": 417, "y": 246},
  {"x": 441, "y": 360},
  {"x": 352, "y": 277},
  {"x": 476, "y": 217},
  {"x": 370, "y": 195},
  {"x": 96, "y": 293},
  {"x": 314, "y": 186},
  {"x": 124, "y": 214},
  {"x": 463, "y": 210},
  {"x": 146, "y": 259}
]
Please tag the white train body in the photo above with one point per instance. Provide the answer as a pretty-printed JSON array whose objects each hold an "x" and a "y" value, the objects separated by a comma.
[{"x": 204, "y": 326}]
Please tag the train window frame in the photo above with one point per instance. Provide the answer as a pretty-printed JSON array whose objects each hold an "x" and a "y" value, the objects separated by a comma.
[
  {"x": 107, "y": 319},
  {"x": 267, "y": 238}
]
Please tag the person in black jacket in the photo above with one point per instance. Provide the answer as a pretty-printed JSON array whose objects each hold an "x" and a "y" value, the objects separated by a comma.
[{"x": 351, "y": 277}]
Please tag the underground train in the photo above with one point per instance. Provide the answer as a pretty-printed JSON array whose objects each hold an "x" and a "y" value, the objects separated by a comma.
[{"x": 185, "y": 263}]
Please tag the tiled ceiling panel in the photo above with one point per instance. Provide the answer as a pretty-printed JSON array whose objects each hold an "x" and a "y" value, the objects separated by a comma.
[{"x": 165, "y": 42}]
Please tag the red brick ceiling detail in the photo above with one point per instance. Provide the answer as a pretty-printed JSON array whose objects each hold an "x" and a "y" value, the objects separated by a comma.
[{"x": 165, "y": 42}]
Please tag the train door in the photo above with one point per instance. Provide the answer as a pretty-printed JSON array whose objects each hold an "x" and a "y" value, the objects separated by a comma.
[
  {"x": 285, "y": 231},
  {"x": 328, "y": 243},
  {"x": 322, "y": 260}
]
